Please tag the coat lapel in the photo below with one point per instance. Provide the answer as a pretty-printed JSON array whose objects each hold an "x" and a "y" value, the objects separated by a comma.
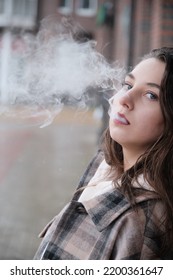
[{"x": 108, "y": 207}]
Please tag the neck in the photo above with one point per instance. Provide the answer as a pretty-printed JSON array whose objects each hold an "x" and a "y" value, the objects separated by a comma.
[{"x": 130, "y": 158}]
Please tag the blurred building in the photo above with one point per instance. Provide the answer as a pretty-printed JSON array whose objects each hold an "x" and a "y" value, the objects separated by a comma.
[
  {"x": 95, "y": 17},
  {"x": 18, "y": 14},
  {"x": 124, "y": 29},
  {"x": 15, "y": 16}
]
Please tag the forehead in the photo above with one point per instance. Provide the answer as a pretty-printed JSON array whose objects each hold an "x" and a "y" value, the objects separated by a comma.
[{"x": 149, "y": 70}]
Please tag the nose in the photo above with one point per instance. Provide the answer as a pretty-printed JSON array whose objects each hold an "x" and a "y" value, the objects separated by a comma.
[
  {"x": 123, "y": 98},
  {"x": 126, "y": 100}
]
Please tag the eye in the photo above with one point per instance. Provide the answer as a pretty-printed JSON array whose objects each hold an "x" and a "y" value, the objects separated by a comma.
[
  {"x": 126, "y": 86},
  {"x": 152, "y": 96}
]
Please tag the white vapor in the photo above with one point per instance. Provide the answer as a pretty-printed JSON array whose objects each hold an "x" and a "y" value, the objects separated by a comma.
[{"x": 52, "y": 66}]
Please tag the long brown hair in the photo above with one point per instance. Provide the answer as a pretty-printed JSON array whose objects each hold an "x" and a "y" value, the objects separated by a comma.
[{"x": 156, "y": 164}]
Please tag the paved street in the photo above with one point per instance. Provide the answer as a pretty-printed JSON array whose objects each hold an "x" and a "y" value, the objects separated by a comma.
[{"x": 39, "y": 170}]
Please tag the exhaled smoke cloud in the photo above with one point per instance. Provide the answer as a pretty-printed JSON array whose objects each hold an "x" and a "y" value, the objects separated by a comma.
[{"x": 53, "y": 67}]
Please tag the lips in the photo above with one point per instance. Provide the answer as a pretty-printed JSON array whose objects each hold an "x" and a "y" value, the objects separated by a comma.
[{"x": 120, "y": 119}]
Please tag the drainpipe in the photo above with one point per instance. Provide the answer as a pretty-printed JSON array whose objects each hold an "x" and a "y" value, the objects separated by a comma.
[{"x": 131, "y": 34}]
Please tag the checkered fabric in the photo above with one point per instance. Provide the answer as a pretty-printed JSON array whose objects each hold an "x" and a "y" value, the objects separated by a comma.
[{"x": 106, "y": 227}]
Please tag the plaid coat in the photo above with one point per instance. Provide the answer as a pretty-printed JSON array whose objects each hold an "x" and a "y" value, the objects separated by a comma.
[{"x": 105, "y": 227}]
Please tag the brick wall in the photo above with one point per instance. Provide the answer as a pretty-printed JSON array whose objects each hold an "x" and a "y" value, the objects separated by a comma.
[
  {"x": 139, "y": 26},
  {"x": 167, "y": 23}
]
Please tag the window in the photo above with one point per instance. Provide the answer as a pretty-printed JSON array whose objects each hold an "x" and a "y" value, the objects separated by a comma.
[
  {"x": 24, "y": 8},
  {"x": 65, "y": 6},
  {"x": 62, "y": 3},
  {"x": 84, "y": 4},
  {"x": 18, "y": 7},
  {"x": 86, "y": 7},
  {"x": 18, "y": 13}
]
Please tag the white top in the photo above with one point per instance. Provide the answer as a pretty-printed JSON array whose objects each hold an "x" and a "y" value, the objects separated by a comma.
[{"x": 100, "y": 183}]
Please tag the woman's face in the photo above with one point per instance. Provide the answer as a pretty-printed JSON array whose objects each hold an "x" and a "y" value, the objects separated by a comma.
[{"x": 136, "y": 120}]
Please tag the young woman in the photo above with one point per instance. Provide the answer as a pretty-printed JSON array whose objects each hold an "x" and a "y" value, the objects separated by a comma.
[{"x": 123, "y": 207}]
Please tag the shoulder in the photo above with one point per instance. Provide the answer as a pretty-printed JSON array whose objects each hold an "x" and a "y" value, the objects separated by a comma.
[
  {"x": 140, "y": 231},
  {"x": 144, "y": 230},
  {"x": 149, "y": 213}
]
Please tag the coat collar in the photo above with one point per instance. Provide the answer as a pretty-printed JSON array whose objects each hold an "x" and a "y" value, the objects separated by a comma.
[{"x": 106, "y": 208}]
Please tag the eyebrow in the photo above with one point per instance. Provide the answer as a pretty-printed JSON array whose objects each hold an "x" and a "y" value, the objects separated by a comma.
[{"x": 149, "y": 83}]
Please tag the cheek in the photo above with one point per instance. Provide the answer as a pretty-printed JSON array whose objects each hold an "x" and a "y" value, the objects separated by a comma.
[
  {"x": 154, "y": 127},
  {"x": 160, "y": 128},
  {"x": 158, "y": 117}
]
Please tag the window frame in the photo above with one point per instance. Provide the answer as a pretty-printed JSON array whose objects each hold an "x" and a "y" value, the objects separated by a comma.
[
  {"x": 67, "y": 9},
  {"x": 24, "y": 20},
  {"x": 90, "y": 12}
]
